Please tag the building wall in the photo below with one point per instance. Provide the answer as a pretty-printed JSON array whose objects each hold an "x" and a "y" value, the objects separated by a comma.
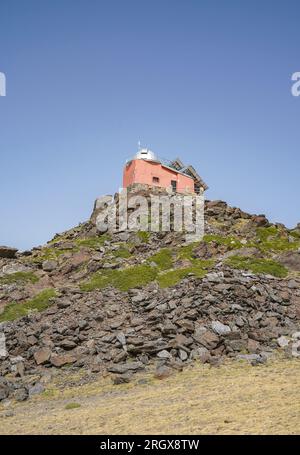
[{"x": 142, "y": 171}]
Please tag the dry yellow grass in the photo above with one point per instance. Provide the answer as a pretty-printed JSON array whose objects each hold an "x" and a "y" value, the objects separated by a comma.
[{"x": 233, "y": 399}]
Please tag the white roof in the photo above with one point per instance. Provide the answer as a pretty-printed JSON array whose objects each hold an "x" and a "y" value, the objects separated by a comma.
[{"x": 146, "y": 154}]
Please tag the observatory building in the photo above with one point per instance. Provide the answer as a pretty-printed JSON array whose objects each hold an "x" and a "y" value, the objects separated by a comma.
[{"x": 146, "y": 169}]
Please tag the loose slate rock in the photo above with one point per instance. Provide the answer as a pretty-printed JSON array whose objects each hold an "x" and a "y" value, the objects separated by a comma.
[
  {"x": 42, "y": 356},
  {"x": 162, "y": 372},
  {"x": 122, "y": 378},
  {"x": 125, "y": 367},
  {"x": 164, "y": 354},
  {"x": 49, "y": 266},
  {"x": 61, "y": 360},
  {"x": 4, "y": 388},
  {"x": 36, "y": 389},
  {"x": 283, "y": 341},
  {"x": 219, "y": 328}
]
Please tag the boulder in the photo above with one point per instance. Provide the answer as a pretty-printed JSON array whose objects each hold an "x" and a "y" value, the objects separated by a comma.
[
  {"x": 139, "y": 297},
  {"x": 291, "y": 260},
  {"x": 296, "y": 349},
  {"x": 42, "y": 356},
  {"x": 208, "y": 339},
  {"x": 121, "y": 338},
  {"x": 5, "y": 388},
  {"x": 21, "y": 394},
  {"x": 283, "y": 341},
  {"x": 260, "y": 220},
  {"x": 164, "y": 354},
  {"x": 122, "y": 378},
  {"x": 68, "y": 344},
  {"x": 8, "y": 252},
  {"x": 182, "y": 354},
  {"x": 14, "y": 267},
  {"x": 61, "y": 360},
  {"x": 249, "y": 357},
  {"x": 49, "y": 266},
  {"x": 219, "y": 328},
  {"x": 125, "y": 367},
  {"x": 245, "y": 252},
  {"x": 162, "y": 372},
  {"x": 36, "y": 389}
]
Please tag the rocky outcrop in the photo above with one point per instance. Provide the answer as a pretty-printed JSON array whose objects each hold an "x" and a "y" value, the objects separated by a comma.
[
  {"x": 7, "y": 252},
  {"x": 225, "y": 312},
  {"x": 290, "y": 259}
]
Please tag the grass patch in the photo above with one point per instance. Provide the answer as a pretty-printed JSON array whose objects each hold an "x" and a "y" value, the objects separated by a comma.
[
  {"x": 59, "y": 238},
  {"x": 124, "y": 280},
  {"x": 49, "y": 393},
  {"x": 144, "y": 236},
  {"x": 19, "y": 277},
  {"x": 295, "y": 234},
  {"x": 258, "y": 265},
  {"x": 186, "y": 252},
  {"x": 231, "y": 242},
  {"x": 163, "y": 259},
  {"x": 53, "y": 253},
  {"x": 17, "y": 310},
  {"x": 273, "y": 238},
  {"x": 93, "y": 242},
  {"x": 48, "y": 254},
  {"x": 72, "y": 406},
  {"x": 141, "y": 275},
  {"x": 172, "y": 277},
  {"x": 123, "y": 251}
]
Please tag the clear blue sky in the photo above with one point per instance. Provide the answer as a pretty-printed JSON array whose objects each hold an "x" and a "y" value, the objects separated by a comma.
[{"x": 206, "y": 80}]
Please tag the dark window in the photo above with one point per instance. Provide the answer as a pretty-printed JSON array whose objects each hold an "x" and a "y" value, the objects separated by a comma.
[
  {"x": 155, "y": 179},
  {"x": 174, "y": 185}
]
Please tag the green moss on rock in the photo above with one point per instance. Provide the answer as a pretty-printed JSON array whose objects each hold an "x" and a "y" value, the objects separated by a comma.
[
  {"x": 122, "y": 252},
  {"x": 231, "y": 242},
  {"x": 295, "y": 234},
  {"x": 93, "y": 242},
  {"x": 123, "y": 279},
  {"x": 15, "y": 310},
  {"x": 258, "y": 265},
  {"x": 172, "y": 277},
  {"x": 186, "y": 251},
  {"x": 144, "y": 236},
  {"x": 275, "y": 239},
  {"x": 48, "y": 254},
  {"x": 19, "y": 277},
  {"x": 163, "y": 259}
]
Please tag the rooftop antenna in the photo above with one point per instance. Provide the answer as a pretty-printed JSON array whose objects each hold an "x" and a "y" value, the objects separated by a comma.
[{"x": 139, "y": 145}]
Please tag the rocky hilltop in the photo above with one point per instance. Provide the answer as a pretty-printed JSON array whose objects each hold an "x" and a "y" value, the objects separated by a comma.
[{"x": 119, "y": 303}]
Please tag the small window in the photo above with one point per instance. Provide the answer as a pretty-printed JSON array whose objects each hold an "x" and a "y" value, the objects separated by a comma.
[
  {"x": 155, "y": 179},
  {"x": 174, "y": 185}
]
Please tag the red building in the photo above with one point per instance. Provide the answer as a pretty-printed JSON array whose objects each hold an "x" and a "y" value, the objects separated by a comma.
[{"x": 145, "y": 168}]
